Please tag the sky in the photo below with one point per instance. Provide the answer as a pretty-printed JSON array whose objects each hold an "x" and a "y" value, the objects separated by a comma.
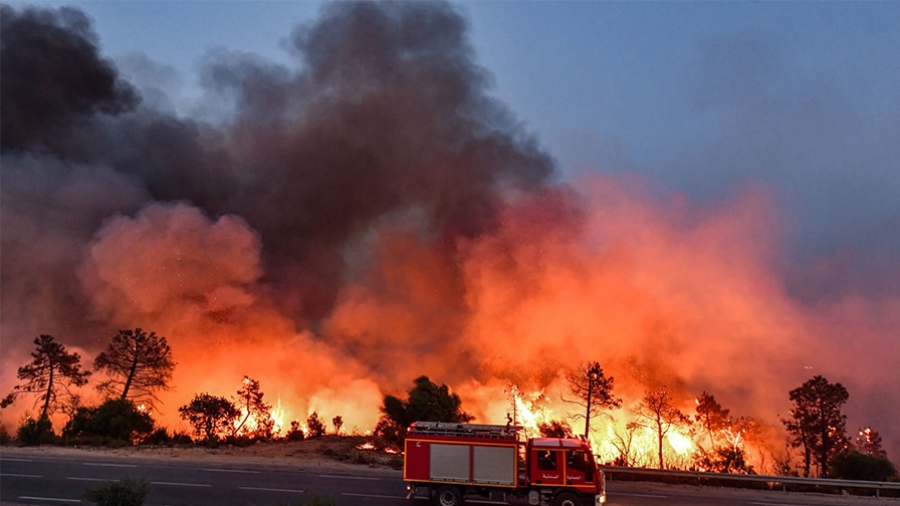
[{"x": 720, "y": 177}]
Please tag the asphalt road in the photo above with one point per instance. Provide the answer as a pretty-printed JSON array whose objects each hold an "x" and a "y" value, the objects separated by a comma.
[{"x": 58, "y": 480}]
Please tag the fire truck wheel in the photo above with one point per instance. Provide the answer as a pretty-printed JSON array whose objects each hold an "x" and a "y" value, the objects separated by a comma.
[
  {"x": 448, "y": 495},
  {"x": 566, "y": 499}
]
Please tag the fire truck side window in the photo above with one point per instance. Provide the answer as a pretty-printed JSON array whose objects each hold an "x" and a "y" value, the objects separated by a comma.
[
  {"x": 546, "y": 460},
  {"x": 580, "y": 461}
]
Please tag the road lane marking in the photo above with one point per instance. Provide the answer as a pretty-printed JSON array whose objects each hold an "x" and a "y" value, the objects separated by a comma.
[
  {"x": 775, "y": 504},
  {"x": 20, "y": 475},
  {"x": 272, "y": 489},
  {"x": 14, "y": 460},
  {"x": 180, "y": 484},
  {"x": 348, "y": 477},
  {"x": 654, "y": 496},
  {"x": 109, "y": 465},
  {"x": 231, "y": 471},
  {"x": 375, "y": 496},
  {"x": 89, "y": 479},
  {"x": 47, "y": 499}
]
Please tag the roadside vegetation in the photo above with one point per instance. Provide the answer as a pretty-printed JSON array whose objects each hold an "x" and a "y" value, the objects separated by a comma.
[{"x": 137, "y": 364}]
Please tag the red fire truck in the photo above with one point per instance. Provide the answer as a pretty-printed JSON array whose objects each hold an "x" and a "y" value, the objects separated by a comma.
[{"x": 452, "y": 460}]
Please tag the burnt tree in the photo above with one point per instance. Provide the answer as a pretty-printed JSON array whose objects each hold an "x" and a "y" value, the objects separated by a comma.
[
  {"x": 593, "y": 389},
  {"x": 659, "y": 411},
  {"x": 250, "y": 403}
]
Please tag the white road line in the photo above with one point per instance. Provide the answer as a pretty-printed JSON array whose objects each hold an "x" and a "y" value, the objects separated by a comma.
[
  {"x": 109, "y": 465},
  {"x": 231, "y": 471},
  {"x": 271, "y": 489},
  {"x": 348, "y": 477},
  {"x": 654, "y": 496},
  {"x": 20, "y": 475},
  {"x": 14, "y": 460},
  {"x": 375, "y": 496},
  {"x": 47, "y": 499},
  {"x": 75, "y": 478},
  {"x": 180, "y": 484}
]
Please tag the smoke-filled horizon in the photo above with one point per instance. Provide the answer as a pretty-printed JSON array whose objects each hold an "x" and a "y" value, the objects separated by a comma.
[{"x": 371, "y": 213}]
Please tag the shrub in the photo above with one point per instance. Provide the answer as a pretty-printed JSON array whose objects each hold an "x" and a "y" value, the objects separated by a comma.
[
  {"x": 159, "y": 436},
  {"x": 4, "y": 435},
  {"x": 117, "y": 421},
  {"x": 35, "y": 432},
  {"x": 853, "y": 465},
  {"x": 181, "y": 438},
  {"x": 239, "y": 441},
  {"x": 315, "y": 426},
  {"x": 127, "y": 492},
  {"x": 295, "y": 433}
]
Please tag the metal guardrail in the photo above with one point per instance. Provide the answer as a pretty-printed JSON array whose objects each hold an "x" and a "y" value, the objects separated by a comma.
[{"x": 878, "y": 486}]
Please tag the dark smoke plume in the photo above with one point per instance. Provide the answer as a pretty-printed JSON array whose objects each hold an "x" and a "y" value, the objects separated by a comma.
[
  {"x": 54, "y": 79},
  {"x": 386, "y": 114}
]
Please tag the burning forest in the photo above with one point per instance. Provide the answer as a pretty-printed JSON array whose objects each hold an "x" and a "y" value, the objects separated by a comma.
[{"x": 371, "y": 214}]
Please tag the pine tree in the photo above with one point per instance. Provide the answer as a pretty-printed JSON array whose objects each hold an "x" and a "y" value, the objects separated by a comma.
[
  {"x": 593, "y": 389},
  {"x": 50, "y": 374},
  {"x": 136, "y": 364},
  {"x": 816, "y": 421}
]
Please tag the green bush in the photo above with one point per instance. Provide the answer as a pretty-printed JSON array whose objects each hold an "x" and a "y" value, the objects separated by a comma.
[
  {"x": 158, "y": 437},
  {"x": 117, "y": 421},
  {"x": 127, "y": 492},
  {"x": 35, "y": 432},
  {"x": 181, "y": 438},
  {"x": 853, "y": 465}
]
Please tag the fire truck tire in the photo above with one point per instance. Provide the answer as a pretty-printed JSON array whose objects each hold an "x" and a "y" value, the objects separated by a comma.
[
  {"x": 566, "y": 499},
  {"x": 448, "y": 495}
]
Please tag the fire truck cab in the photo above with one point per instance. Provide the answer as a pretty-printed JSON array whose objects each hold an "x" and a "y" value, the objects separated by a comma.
[{"x": 449, "y": 461}]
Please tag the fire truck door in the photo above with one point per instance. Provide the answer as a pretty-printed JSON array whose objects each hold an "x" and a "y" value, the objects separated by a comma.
[
  {"x": 548, "y": 467},
  {"x": 579, "y": 468}
]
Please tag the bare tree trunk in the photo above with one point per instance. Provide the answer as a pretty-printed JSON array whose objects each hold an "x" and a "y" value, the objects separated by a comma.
[
  {"x": 49, "y": 391},
  {"x": 659, "y": 434},
  {"x": 587, "y": 415},
  {"x": 130, "y": 374}
]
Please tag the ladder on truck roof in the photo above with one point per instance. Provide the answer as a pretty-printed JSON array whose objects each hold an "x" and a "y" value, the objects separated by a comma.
[{"x": 465, "y": 430}]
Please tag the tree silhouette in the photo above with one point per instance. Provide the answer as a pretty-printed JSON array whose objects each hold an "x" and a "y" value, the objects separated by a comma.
[
  {"x": 315, "y": 426},
  {"x": 338, "y": 422},
  {"x": 426, "y": 401},
  {"x": 51, "y": 373},
  {"x": 593, "y": 389},
  {"x": 816, "y": 421},
  {"x": 250, "y": 403},
  {"x": 136, "y": 364},
  {"x": 555, "y": 429},
  {"x": 210, "y": 416},
  {"x": 711, "y": 416},
  {"x": 657, "y": 409}
]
